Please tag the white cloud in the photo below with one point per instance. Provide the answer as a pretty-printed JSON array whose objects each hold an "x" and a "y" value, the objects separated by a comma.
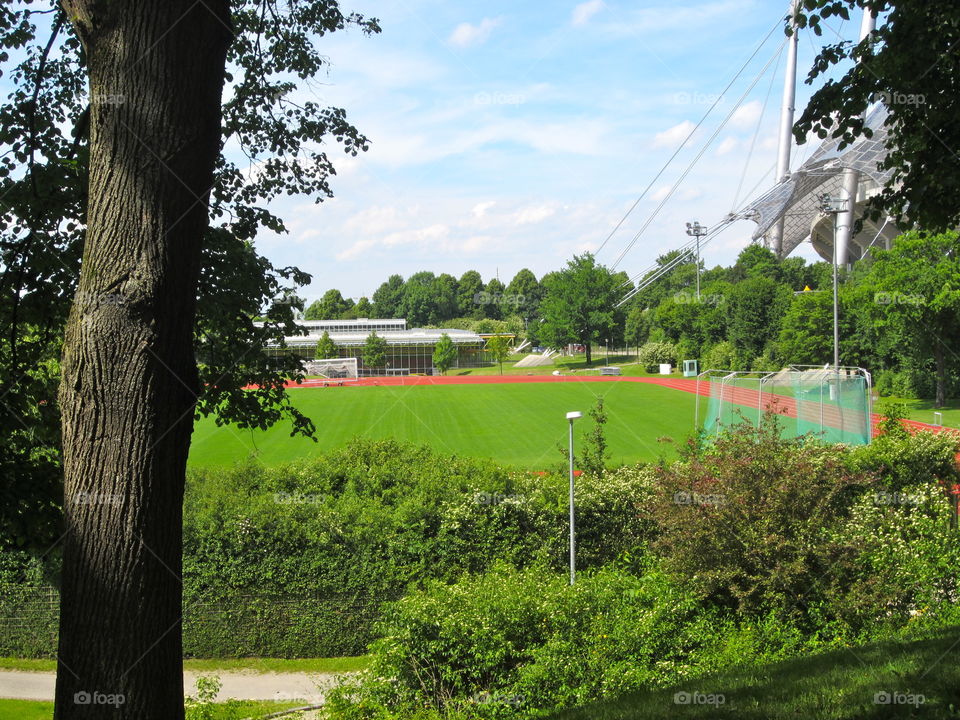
[
  {"x": 728, "y": 145},
  {"x": 584, "y": 11},
  {"x": 747, "y": 115},
  {"x": 480, "y": 209},
  {"x": 674, "y": 136},
  {"x": 467, "y": 35},
  {"x": 534, "y": 214}
]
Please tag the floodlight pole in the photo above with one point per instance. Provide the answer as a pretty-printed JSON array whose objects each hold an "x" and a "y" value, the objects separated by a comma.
[
  {"x": 571, "y": 416},
  {"x": 696, "y": 230},
  {"x": 834, "y": 206}
]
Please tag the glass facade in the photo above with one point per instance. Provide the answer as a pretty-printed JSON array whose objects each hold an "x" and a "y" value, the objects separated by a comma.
[{"x": 408, "y": 351}]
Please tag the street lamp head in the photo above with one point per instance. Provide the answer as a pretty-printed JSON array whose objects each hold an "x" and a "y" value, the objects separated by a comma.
[{"x": 574, "y": 415}]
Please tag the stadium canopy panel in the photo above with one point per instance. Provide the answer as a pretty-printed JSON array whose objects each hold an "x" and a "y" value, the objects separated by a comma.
[{"x": 796, "y": 198}]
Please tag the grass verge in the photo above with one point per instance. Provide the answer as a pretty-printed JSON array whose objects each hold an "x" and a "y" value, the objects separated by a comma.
[
  {"x": 257, "y": 665},
  {"x": 902, "y": 679}
]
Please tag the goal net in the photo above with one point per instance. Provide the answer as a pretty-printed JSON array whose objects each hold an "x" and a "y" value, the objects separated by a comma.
[
  {"x": 833, "y": 404},
  {"x": 334, "y": 368}
]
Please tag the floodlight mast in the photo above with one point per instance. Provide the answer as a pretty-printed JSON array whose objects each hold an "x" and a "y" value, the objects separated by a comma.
[
  {"x": 834, "y": 206},
  {"x": 696, "y": 230}
]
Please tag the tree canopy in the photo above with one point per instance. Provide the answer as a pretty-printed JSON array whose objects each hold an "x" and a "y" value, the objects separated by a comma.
[{"x": 910, "y": 63}]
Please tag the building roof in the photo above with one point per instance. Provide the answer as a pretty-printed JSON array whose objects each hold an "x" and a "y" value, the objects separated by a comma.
[
  {"x": 415, "y": 336},
  {"x": 796, "y": 200}
]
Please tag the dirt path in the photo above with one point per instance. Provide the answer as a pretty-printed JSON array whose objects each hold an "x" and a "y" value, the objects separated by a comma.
[{"x": 248, "y": 685}]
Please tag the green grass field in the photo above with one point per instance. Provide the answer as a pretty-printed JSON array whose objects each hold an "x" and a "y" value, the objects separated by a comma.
[{"x": 518, "y": 425}]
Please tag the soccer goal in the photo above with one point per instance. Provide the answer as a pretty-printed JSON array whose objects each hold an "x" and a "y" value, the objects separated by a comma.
[
  {"x": 831, "y": 403},
  {"x": 334, "y": 368}
]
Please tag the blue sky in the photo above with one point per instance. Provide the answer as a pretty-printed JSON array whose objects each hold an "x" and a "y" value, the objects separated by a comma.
[
  {"x": 510, "y": 135},
  {"x": 507, "y": 135}
]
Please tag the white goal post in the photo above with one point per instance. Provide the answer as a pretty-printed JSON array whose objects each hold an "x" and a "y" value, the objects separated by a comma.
[{"x": 332, "y": 368}]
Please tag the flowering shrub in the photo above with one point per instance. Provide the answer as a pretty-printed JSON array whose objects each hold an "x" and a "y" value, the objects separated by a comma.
[{"x": 742, "y": 519}]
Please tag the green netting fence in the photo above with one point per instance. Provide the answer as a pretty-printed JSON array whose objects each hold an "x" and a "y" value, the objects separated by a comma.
[{"x": 828, "y": 403}]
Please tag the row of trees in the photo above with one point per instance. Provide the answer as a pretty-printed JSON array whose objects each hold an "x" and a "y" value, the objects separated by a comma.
[
  {"x": 899, "y": 314},
  {"x": 427, "y": 299}
]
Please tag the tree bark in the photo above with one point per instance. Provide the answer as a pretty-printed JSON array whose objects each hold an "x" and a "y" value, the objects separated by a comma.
[
  {"x": 941, "y": 373},
  {"x": 589, "y": 354},
  {"x": 156, "y": 70}
]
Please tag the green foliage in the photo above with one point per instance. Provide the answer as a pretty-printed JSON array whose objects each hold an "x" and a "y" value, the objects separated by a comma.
[
  {"x": 44, "y": 155},
  {"x": 330, "y": 307},
  {"x": 906, "y": 558},
  {"x": 651, "y": 355},
  {"x": 722, "y": 356},
  {"x": 326, "y": 348},
  {"x": 909, "y": 64},
  {"x": 806, "y": 335},
  {"x": 510, "y": 642},
  {"x": 742, "y": 520},
  {"x": 579, "y": 304},
  {"x": 916, "y": 297},
  {"x": 901, "y": 459},
  {"x": 594, "y": 452},
  {"x": 524, "y": 294},
  {"x": 386, "y": 299},
  {"x": 499, "y": 348},
  {"x": 374, "y": 351},
  {"x": 444, "y": 354},
  {"x": 756, "y": 308},
  {"x": 638, "y": 324}
]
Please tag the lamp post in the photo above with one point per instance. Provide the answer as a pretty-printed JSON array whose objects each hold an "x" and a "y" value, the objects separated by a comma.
[
  {"x": 834, "y": 206},
  {"x": 696, "y": 230},
  {"x": 571, "y": 416}
]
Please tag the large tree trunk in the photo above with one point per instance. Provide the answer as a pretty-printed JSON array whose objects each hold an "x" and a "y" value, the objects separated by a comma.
[
  {"x": 941, "y": 373},
  {"x": 589, "y": 354},
  {"x": 129, "y": 382}
]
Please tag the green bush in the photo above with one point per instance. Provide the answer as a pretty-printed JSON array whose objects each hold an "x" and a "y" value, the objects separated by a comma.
[
  {"x": 653, "y": 354},
  {"x": 899, "y": 459},
  {"x": 511, "y": 642},
  {"x": 742, "y": 519},
  {"x": 906, "y": 557},
  {"x": 722, "y": 356}
]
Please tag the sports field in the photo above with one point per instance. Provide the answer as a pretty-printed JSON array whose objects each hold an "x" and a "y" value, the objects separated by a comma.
[{"x": 518, "y": 425}]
